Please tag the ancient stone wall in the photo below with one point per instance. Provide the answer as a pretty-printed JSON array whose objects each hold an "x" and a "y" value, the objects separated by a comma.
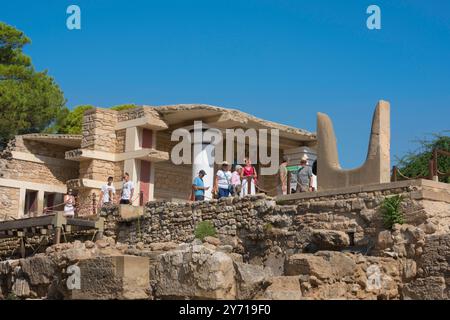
[
  {"x": 130, "y": 114},
  {"x": 354, "y": 217},
  {"x": 120, "y": 140},
  {"x": 39, "y": 172},
  {"x": 9, "y": 202},
  {"x": 172, "y": 182},
  {"x": 271, "y": 232},
  {"x": 96, "y": 169},
  {"x": 99, "y": 130},
  {"x": 320, "y": 246},
  {"x": 54, "y": 173},
  {"x": 39, "y": 148}
]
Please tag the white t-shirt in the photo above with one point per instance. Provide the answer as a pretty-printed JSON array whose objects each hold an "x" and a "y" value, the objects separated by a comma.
[
  {"x": 105, "y": 190},
  {"x": 126, "y": 190},
  {"x": 224, "y": 179}
]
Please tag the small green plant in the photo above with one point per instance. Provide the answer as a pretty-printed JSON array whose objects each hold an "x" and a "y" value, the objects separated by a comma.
[
  {"x": 268, "y": 227},
  {"x": 392, "y": 211},
  {"x": 205, "y": 229},
  {"x": 12, "y": 296}
]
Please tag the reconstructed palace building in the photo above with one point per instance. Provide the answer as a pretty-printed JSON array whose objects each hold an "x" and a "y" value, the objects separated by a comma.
[{"x": 37, "y": 169}]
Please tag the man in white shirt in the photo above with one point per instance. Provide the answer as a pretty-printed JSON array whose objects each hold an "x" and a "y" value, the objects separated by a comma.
[
  {"x": 108, "y": 192},
  {"x": 127, "y": 190}
]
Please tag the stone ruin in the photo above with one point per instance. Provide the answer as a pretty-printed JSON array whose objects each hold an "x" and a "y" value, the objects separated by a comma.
[
  {"x": 331, "y": 244},
  {"x": 318, "y": 246}
]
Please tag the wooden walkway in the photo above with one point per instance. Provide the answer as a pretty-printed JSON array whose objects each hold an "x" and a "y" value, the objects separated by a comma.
[{"x": 49, "y": 224}]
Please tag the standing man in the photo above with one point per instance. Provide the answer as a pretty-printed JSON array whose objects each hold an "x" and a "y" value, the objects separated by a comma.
[
  {"x": 304, "y": 176},
  {"x": 198, "y": 186},
  {"x": 283, "y": 175},
  {"x": 222, "y": 182},
  {"x": 108, "y": 192},
  {"x": 314, "y": 171},
  {"x": 127, "y": 190}
]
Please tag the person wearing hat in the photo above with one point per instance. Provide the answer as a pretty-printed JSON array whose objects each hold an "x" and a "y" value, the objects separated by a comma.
[
  {"x": 304, "y": 176},
  {"x": 222, "y": 182},
  {"x": 198, "y": 186}
]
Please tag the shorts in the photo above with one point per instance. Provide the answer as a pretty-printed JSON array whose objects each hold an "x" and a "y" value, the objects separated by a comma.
[
  {"x": 223, "y": 193},
  {"x": 124, "y": 201}
]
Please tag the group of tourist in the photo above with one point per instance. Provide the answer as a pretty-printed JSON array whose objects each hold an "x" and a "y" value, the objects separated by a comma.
[
  {"x": 107, "y": 195},
  {"x": 238, "y": 182},
  {"x": 108, "y": 192},
  {"x": 243, "y": 180},
  {"x": 301, "y": 179}
]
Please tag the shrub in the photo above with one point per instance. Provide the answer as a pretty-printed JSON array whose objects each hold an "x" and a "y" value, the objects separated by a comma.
[
  {"x": 268, "y": 227},
  {"x": 12, "y": 296},
  {"x": 205, "y": 229},
  {"x": 392, "y": 211}
]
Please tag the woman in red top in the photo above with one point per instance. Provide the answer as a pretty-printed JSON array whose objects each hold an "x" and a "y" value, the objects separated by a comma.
[{"x": 248, "y": 171}]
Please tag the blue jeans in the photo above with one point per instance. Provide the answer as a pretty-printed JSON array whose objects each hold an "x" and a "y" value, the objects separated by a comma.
[
  {"x": 223, "y": 193},
  {"x": 199, "y": 198}
]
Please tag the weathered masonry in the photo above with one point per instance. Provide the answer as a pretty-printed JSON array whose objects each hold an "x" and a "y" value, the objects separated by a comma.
[
  {"x": 37, "y": 169},
  {"x": 323, "y": 245}
]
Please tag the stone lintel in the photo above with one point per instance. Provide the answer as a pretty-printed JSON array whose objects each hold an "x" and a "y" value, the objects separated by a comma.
[
  {"x": 146, "y": 121},
  {"x": 148, "y": 154}
]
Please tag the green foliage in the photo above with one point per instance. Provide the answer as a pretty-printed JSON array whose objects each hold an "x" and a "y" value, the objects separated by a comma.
[
  {"x": 268, "y": 227},
  {"x": 121, "y": 107},
  {"x": 416, "y": 163},
  {"x": 73, "y": 121},
  {"x": 11, "y": 296},
  {"x": 205, "y": 229},
  {"x": 392, "y": 211},
  {"x": 30, "y": 101}
]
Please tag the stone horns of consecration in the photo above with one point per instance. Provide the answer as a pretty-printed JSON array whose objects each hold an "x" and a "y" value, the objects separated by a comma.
[{"x": 376, "y": 168}]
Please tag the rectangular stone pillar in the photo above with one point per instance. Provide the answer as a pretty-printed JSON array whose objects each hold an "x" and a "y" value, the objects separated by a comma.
[
  {"x": 40, "y": 202},
  {"x": 22, "y": 193}
]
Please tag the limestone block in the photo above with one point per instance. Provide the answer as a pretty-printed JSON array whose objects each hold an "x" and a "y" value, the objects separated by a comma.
[
  {"x": 431, "y": 288},
  {"x": 113, "y": 277},
  {"x": 129, "y": 212},
  {"x": 194, "y": 272},
  {"x": 330, "y": 239},
  {"x": 251, "y": 280},
  {"x": 283, "y": 288},
  {"x": 323, "y": 265},
  {"x": 39, "y": 269}
]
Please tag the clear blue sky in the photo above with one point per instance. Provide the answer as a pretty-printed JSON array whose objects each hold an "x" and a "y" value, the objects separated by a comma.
[{"x": 282, "y": 60}]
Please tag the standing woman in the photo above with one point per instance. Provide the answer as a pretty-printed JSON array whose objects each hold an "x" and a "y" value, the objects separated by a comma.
[
  {"x": 248, "y": 173},
  {"x": 222, "y": 182},
  {"x": 69, "y": 204}
]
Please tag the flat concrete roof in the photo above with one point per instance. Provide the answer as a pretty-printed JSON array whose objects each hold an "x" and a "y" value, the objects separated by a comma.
[
  {"x": 226, "y": 118},
  {"x": 69, "y": 140},
  {"x": 185, "y": 114}
]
